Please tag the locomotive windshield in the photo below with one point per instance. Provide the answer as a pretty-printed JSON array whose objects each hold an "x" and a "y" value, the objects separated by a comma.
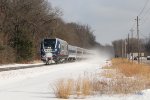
[{"x": 49, "y": 43}]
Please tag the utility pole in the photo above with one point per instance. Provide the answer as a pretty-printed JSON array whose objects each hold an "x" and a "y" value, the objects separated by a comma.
[
  {"x": 125, "y": 48},
  {"x": 138, "y": 42},
  {"x": 132, "y": 43},
  {"x": 122, "y": 48},
  {"x": 128, "y": 47}
]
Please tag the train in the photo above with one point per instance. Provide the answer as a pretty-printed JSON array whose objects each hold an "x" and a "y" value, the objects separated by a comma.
[{"x": 57, "y": 50}]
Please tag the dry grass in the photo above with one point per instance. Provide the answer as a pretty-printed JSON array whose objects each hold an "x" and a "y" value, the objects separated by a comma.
[
  {"x": 99, "y": 86},
  {"x": 120, "y": 85},
  {"x": 80, "y": 87},
  {"x": 109, "y": 73},
  {"x": 86, "y": 86},
  {"x": 130, "y": 69},
  {"x": 136, "y": 75},
  {"x": 125, "y": 85},
  {"x": 123, "y": 77},
  {"x": 63, "y": 88}
]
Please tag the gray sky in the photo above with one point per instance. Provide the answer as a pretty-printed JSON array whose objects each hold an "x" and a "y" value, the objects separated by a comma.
[{"x": 109, "y": 19}]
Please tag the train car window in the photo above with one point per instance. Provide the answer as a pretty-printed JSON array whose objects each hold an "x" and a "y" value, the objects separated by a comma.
[
  {"x": 72, "y": 51},
  {"x": 49, "y": 43}
]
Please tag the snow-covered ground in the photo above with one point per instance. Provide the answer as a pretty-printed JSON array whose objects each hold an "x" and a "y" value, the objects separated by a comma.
[{"x": 37, "y": 83}]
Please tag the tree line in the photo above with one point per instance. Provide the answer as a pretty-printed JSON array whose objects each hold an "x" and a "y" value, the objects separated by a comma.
[{"x": 24, "y": 23}]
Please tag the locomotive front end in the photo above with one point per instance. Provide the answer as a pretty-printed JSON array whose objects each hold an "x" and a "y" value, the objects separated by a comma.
[{"x": 48, "y": 50}]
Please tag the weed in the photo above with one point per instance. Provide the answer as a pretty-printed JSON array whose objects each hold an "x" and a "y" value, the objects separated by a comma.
[{"x": 63, "y": 88}]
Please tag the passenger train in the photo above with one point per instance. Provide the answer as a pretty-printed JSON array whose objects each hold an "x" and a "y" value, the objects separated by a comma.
[{"x": 57, "y": 50}]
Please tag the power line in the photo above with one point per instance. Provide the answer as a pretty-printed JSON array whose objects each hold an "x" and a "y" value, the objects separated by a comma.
[
  {"x": 143, "y": 35},
  {"x": 146, "y": 3},
  {"x": 146, "y": 13},
  {"x": 137, "y": 19},
  {"x": 142, "y": 10},
  {"x": 145, "y": 17}
]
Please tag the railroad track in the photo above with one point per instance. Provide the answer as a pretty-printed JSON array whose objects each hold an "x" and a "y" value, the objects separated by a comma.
[
  {"x": 26, "y": 67},
  {"x": 20, "y": 67}
]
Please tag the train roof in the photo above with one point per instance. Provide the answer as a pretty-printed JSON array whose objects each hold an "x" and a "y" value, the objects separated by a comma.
[{"x": 57, "y": 39}]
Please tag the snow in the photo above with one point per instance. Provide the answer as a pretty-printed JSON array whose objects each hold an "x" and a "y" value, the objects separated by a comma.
[{"x": 37, "y": 83}]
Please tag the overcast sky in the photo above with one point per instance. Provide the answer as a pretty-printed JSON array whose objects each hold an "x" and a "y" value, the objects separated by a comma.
[{"x": 109, "y": 19}]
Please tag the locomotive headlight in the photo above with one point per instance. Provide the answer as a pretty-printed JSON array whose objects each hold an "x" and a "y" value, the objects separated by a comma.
[{"x": 47, "y": 50}]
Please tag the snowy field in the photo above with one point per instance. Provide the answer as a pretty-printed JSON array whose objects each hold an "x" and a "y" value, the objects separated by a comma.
[{"x": 36, "y": 83}]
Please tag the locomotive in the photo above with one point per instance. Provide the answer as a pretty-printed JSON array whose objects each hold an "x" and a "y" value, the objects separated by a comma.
[{"x": 57, "y": 50}]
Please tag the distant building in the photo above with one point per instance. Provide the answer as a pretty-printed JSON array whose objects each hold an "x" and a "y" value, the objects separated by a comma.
[{"x": 135, "y": 54}]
